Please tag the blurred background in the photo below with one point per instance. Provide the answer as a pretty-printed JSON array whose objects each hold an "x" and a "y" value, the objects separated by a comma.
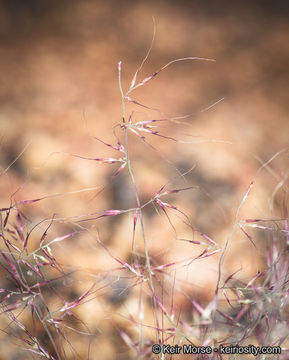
[{"x": 59, "y": 90}]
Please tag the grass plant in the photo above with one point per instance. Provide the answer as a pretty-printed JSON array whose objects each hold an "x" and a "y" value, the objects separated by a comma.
[{"x": 244, "y": 313}]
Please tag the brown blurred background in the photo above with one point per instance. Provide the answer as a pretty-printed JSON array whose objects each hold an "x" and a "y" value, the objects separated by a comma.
[{"x": 58, "y": 62}]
